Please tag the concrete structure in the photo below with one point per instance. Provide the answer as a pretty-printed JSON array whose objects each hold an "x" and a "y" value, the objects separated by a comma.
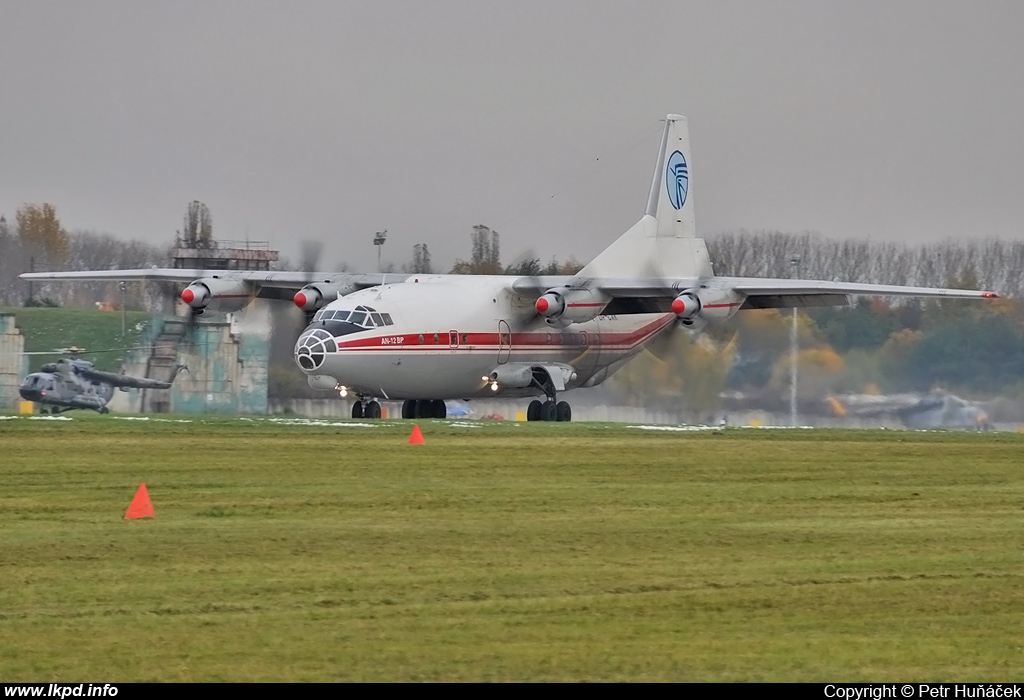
[
  {"x": 226, "y": 255},
  {"x": 227, "y": 369},
  {"x": 13, "y": 361}
]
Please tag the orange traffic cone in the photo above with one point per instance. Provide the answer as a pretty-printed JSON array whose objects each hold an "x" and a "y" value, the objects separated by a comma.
[
  {"x": 417, "y": 437},
  {"x": 141, "y": 506}
]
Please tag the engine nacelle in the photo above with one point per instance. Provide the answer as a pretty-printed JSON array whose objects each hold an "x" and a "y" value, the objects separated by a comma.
[
  {"x": 511, "y": 376},
  {"x": 696, "y": 307},
  {"x": 314, "y": 297},
  {"x": 565, "y": 305},
  {"x": 686, "y": 305},
  {"x": 215, "y": 294}
]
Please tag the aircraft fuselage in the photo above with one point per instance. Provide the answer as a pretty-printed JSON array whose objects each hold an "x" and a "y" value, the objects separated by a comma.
[{"x": 447, "y": 336}]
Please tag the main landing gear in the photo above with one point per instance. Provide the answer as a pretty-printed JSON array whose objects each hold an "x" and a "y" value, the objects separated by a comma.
[
  {"x": 366, "y": 409},
  {"x": 552, "y": 409},
  {"x": 424, "y": 408},
  {"x": 549, "y": 410}
]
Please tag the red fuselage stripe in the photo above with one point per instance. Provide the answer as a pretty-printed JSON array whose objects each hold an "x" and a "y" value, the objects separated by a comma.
[{"x": 503, "y": 340}]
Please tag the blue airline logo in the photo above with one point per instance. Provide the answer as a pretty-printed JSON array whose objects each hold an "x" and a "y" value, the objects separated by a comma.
[{"x": 677, "y": 180}]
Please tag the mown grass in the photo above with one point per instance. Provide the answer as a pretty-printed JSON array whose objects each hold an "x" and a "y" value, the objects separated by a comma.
[{"x": 507, "y": 552}]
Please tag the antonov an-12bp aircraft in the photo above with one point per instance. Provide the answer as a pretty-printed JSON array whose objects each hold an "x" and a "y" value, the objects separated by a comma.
[{"x": 427, "y": 338}]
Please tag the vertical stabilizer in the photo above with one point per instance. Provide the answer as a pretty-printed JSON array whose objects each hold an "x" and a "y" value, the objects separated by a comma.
[
  {"x": 671, "y": 201},
  {"x": 664, "y": 242}
]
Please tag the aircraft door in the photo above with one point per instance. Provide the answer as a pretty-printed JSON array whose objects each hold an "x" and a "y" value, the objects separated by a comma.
[
  {"x": 504, "y": 342},
  {"x": 588, "y": 361}
]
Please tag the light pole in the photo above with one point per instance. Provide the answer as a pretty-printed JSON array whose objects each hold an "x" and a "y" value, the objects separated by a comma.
[
  {"x": 378, "y": 240},
  {"x": 794, "y": 262},
  {"x": 123, "y": 286}
]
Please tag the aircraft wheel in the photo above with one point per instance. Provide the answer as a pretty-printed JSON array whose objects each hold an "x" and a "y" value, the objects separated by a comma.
[
  {"x": 103, "y": 410},
  {"x": 533, "y": 410},
  {"x": 373, "y": 410},
  {"x": 357, "y": 409},
  {"x": 409, "y": 408},
  {"x": 440, "y": 409},
  {"x": 563, "y": 412},
  {"x": 548, "y": 411}
]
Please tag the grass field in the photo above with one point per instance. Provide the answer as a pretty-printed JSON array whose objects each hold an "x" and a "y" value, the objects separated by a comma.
[{"x": 291, "y": 551}]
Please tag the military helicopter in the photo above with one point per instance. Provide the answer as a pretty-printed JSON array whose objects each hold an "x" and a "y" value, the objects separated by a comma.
[
  {"x": 72, "y": 382},
  {"x": 938, "y": 409}
]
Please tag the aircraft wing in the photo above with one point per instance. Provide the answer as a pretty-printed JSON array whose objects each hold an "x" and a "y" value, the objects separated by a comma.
[
  {"x": 784, "y": 293},
  {"x": 288, "y": 281},
  {"x": 655, "y": 294}
]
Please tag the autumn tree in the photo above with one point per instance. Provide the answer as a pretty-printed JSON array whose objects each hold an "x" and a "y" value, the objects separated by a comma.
[{"x": 42, "y": 236}]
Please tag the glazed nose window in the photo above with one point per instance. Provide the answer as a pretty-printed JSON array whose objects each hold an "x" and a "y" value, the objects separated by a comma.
[{"x": 312, "y": 347}]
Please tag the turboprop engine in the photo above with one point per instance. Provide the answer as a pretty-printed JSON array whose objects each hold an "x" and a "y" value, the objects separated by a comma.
[
  {"x": 214, "y": 294},
  {"x": 695, "y": 307},
  {"x": 314, "y": 297},
  {"x": 565, "y": 305}
]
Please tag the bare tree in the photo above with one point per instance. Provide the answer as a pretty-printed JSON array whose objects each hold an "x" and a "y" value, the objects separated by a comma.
[
  {"x": 420, "y": 263},
  {"x": 198, "y": 230},
  {"x": 486, "y": 254}
]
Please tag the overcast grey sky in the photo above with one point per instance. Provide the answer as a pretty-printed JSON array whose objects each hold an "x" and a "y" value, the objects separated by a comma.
[{"x": 331, "y": 120}]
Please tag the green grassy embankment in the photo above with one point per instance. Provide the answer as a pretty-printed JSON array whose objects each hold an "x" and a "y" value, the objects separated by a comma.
[{"x": 55, "y": 328}]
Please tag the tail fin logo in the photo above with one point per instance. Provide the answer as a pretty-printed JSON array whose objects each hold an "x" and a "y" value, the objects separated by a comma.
[{"x": 677, "y": 180}]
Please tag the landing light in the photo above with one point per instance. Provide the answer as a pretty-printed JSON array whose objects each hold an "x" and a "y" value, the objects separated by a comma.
[{"x": 494, "y": 386}]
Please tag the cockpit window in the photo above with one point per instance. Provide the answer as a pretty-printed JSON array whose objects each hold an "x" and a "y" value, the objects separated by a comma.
[{"x": 363, "y": 316}]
